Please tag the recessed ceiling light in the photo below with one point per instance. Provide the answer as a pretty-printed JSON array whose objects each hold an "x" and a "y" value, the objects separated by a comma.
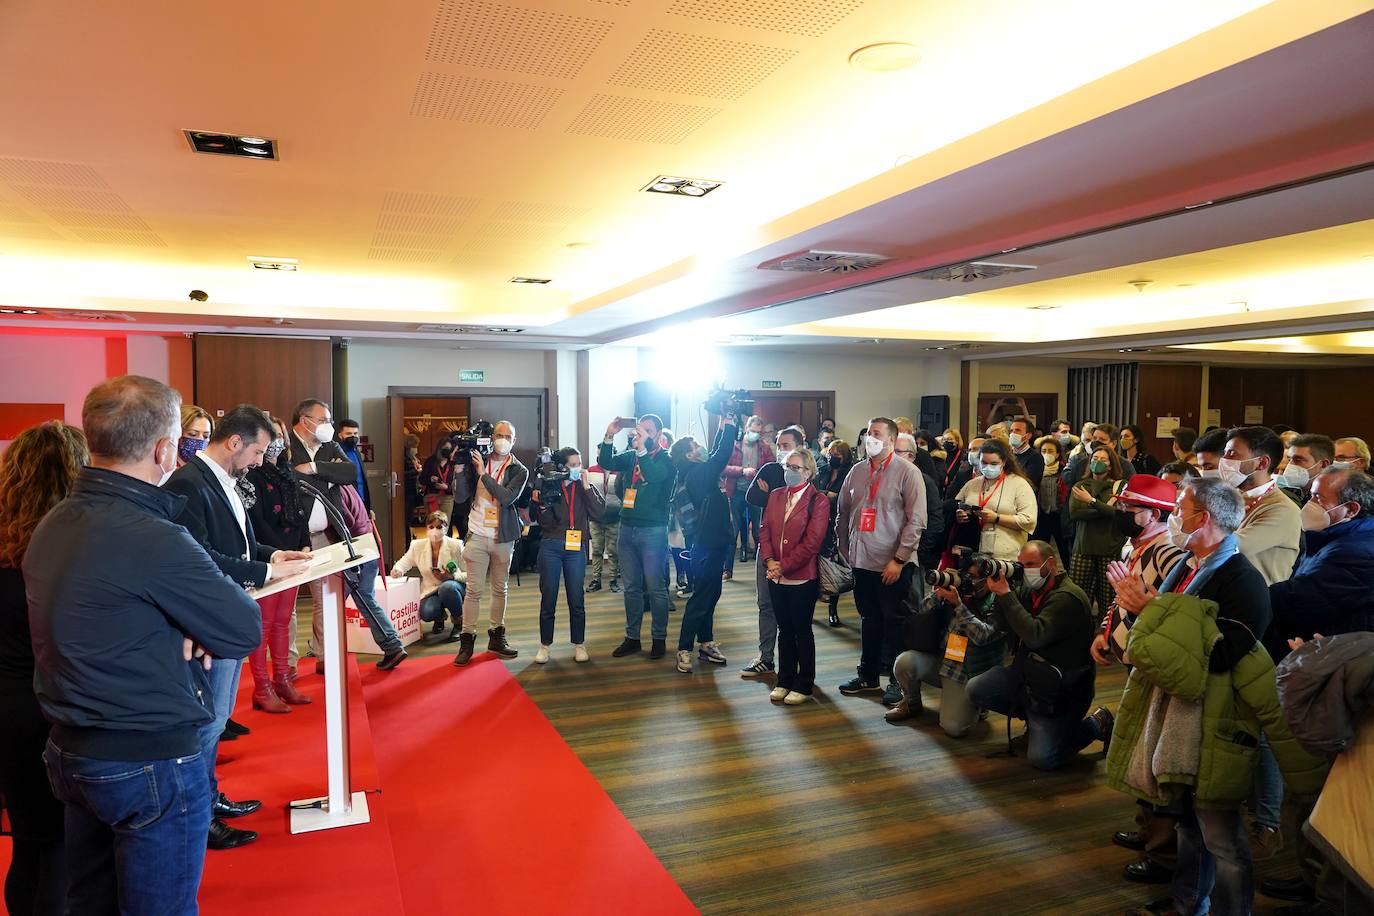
[
  {"x": 885, "y": 57},
  {"x": 1041, "y": 308},
  {"x": 537, "y": 280},
  {"x": 256, "y": 151},
  {"x": 254, "y": 141},
  {"x": 688, "y": 187},
  {"x": 1205, "y": 203},
  {"x": 28, "y": 311},
  {"x": 261, "y": 263},
  {"x": 231, "y": 144},
  {"x": 581, "y": 245}
]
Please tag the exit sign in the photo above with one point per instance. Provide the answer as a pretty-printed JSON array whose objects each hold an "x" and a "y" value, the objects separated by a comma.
[
  {"x": 1006, "y": 387},
  {"x": 772, "y": 383},
  {"x": 472, "y": 375}
]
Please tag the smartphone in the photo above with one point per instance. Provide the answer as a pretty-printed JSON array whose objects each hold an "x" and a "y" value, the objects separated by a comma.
[{"x": 626, "y": 422}]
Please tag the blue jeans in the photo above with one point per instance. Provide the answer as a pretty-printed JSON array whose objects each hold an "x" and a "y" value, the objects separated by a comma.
[
  {"x": 1052, "y": 740},
  {"x": 1213, "y": 860},
  {"x": 1268, "y": 791},
  {"x": 554, "y": 563},
  {"x": 768, "y": 624},
  {"x": 698, "y": 620},
  {"x": 223, "y": 680},
  {"x": 747, "y": 519},
  {"x": 383, "y": 633},
  {"x": 135, "y": 831},
  {"x": 449, "y": 598},
  {"x": 643, "y": 559}
]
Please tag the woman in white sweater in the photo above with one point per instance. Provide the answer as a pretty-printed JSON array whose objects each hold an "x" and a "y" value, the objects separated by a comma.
[
  {"x": 1003, "y": 502},
  {"x": 443, "y": 579}
]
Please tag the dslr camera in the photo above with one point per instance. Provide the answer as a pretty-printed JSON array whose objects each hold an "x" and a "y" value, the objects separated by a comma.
[
  {"x": 971, "y": 568},
  {"x": 723, "y": 403},
  {"x": 477, "y": 440},
  {"x": 552, "y": 470}
]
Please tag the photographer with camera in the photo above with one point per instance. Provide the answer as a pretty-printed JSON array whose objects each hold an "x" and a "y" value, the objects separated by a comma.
[
  {"x": 999, "y": 500},
  {"x": 647, "y": 475},
  {"x": 879, "y": 518},
  {"x": 493, "y": 527},
  {"x": 567, "y": 503},
  {"x": 1049, "y": 682},
  {"x": 704, "y": 512}
]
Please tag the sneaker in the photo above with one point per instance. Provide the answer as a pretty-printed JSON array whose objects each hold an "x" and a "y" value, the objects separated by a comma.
[
  {"x": 893, "y": 694},
  {"x": 905, "y": 709},
  {"x": 1265, "y": 842},
  {"x": 615, "y": 586},
  {"x": 757, "y": 668},
  {"x": 658, "y": 648},
  {"x": 710, "y": 652},
  {"x": 684, "y": 591},
  {"x": 778, "y": 694},
  {"x": 594, "y": 585},
  {"x": 795, "y": 698},
  {"x": 580, "y": 653},
  {"x": 684, "y": 661},
  {"x": 859, "y": 685},
  {"x": 727, "y": 576},
  {"x": 628, "y": 647},
  {"x": 542, "y": 656}
]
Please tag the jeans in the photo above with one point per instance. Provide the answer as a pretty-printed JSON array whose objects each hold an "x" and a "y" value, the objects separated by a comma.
[
  {"x": 1213, "y": 860},
  {"x": 556, "y": 561},
  {"x": 1053, "y": 740},
  {"x": 383, "y": 633},
  {"x": 957, "y": 713},
  {"x": 748, "y": 519},
  {"x": 698, "y": 620},
  {"x": 879, "y": 627},
  {"x": 642, "y": 553},
  {"x": 768, "y": 623},
  {"x": 135, "y": 831},
  {"x": 448, "y": 597},
  {"x": 680, "y": 564},
  {"x": 604, "y": 541},
  {"x": 1267, "y": 802},
  {"x": 486, "y": 561},
  {"x": 223, "y": 678},
  {"x": 795, "y": 606}
]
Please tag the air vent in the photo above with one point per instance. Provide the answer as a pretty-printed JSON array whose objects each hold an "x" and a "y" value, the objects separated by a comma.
[
  {"x": 538, "y": 281},
  {"x": 824, "y": 262},
  {"x": 753, "y": 338},
  {"x": 91, "y": 316},
  {"x": 8, "y": 311},
  {"x": 288, "y": 264},
  {"x": 466, "y": 329},
  {"x": 971, "y": 271}
]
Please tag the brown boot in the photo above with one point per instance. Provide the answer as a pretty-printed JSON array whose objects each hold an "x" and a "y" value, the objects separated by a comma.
[
  {"x": 266, "y": 699},
  {"x": 496, "y": 643},
  {"x": 287, "y": 691}
]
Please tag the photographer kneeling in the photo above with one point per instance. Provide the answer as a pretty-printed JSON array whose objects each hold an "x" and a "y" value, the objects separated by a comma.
[
  {"x": 567, "y": 503},
  {"x": 1049, "y": 682}
]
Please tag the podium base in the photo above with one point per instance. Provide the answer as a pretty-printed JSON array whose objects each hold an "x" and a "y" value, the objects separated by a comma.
[{"x": 308, "y": 820}]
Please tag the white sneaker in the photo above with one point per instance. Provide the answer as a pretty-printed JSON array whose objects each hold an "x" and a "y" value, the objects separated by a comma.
[
  {"x": 579, "y": 653},
  {"x": 684, "y": 661},
  {"x": 542, "y": 656},
  {"x": 710, "y": 652},
  {"x": 794, "y": 698},
  {"x": 778, "y": 694}
]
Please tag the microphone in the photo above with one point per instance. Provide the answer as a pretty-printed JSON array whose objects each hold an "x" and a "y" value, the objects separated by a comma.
[{"x": 335, "y": 516}]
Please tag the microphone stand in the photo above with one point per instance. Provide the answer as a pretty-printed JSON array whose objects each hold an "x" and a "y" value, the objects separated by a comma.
[{"x": 336, "y": 519}]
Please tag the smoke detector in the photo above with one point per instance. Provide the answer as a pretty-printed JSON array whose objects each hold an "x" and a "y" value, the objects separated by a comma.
[
  {"x": 824, "y": 262},
  {"x": 969, "y": 271}
]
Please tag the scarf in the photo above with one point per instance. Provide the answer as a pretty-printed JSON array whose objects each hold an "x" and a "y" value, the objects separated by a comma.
[{"x": 1227, "y": 549}]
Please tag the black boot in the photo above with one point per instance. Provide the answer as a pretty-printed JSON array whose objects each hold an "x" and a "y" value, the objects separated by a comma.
[
  {"x": 496, "y": 643},
  {"x": 465, "y": 645},
  {"x": 658, "y": 649}
]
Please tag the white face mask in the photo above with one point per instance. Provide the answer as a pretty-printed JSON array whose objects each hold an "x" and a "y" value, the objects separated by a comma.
[
  {"x": 501, "y": 445},
  {"x": 1036, "y": 578},
  {"x": 1317, "y": 518},
  {"x": 324, "y": 432},
  {"x": 436, "y": 534},
  {"x": 1204, "y": 472},
  {"x": 973, "y": 459},
  {"x": 1177, "y": 536},
  {"x": 991, "y": 471},
  {"x": 1342, "y": 465},
  {"x": 1017, "y": 440},
  {"x": 1294, "y": 477},
  {"x": 751, "y": 437},
  {"x": 874, "y": 446},
  {"x": 1232, "y": 470}
]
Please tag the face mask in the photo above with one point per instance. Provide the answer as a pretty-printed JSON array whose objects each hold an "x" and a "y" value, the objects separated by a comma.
[
  {"x": 1097, "y": 467},
  {"x": 1017, "y": 440},
  {"x": 1066, "y": 440},
  {"x": 324, "y": 432},
  {"x": 793, "y": 478},
  {"x": 973, "y": 459},
  {"x": 1050, "y": 458},
  {"x": 501, "y": 445},
  {"x": 1229, "y": 470},
  {"x": 1295, "y": 478},
  {"x": 1342, "y": 465},
  {"x": 1127, "y": 525},
  {"x": 991, "y": 471},
  {"x": 575, "y": 473},
  {"x": 751, "y": 437},
  {"x": 1177, "y": 536},
  {"x": 874, "y": 446},
  {"x": 1204, "y": 472},
  {"x": 1316, "y": 518},
  {"x": 446, "y": 452},
  {"x": 187, "y": 447},
  {"x": 436, "y": 534},
  {"x": 350, "y": 442},
  {"x": 1036, "y": 579},
  {"x": 167, "y": 472},
  {"x": 274, "y": 450}
]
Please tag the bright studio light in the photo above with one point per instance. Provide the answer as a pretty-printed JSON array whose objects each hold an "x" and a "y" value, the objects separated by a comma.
[{"x": 687, "y": 366}]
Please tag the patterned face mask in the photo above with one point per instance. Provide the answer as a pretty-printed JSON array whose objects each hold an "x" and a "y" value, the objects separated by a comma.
[{"x": 274, "y": 450}]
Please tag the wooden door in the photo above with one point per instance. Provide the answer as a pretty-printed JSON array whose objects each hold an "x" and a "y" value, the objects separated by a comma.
[
  {"x": 395, "y": 489},
  {"x": 1043, "y": 409}
]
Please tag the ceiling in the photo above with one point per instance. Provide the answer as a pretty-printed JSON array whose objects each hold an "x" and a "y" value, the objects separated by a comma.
[{"x": 429, "y": 151}]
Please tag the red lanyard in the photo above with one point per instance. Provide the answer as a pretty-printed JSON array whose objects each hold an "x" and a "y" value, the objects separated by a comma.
[
  {"x": 984, "y": 500},
  {"x": 877, "y": 479},
  {"x": 445, "y": 475},
  {"x": 1036, "y": 598},
  {"x": 501, "y": 470},
  {"x": 1178, "y": 589},
  {"x": 572, "y": 503},
  {"x": 636, "y": 476},
  {"x": 949, "y": 468}
]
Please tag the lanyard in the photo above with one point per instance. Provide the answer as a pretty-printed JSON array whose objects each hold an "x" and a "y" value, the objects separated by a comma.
[
  {"x": 983, "y": 499},
  {"x": 501, "y": 470},
  {"x": 1179, "y": 589},
  {"x": 1036, "y": 599},
  {"x": 949, "y": 468},
  {"x": 636, "y": 477},
  {"x": 877, "y": 479},
  {"x": 569, "y": 498},
  {"x": 445, "y": 475}
]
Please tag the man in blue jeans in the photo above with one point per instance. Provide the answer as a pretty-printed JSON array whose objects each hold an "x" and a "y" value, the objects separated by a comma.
[
  {"x": 648, "y": 474},
  {"x": 566, "y": 507},
  {"x": 109, "y": 568}
]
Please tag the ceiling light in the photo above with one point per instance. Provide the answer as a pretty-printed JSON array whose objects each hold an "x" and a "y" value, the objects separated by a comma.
[
  {"x": 503, "y": 330},
  {"x": 231, "y": 144},
  {"x": 581, "y": 245},
  {"x": 537, "y": 280},
  {"x": 255, "y": 141},
  {"x": 260, "y": 263},
  {"x": 1205, "y": 203},
  {"x": 1041, "y": 308},
  {"x": 885, "y": 57},
  {"x": 255, "y": 151},
  {"x": 688, "y": 187},
  {"x": 1140, "y": 284}
]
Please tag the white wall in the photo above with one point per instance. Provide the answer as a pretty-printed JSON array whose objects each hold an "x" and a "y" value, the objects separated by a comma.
[{"x": 611, "y": 376}]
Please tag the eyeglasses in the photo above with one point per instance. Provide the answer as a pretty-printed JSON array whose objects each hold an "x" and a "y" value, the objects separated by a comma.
[
  {"x": 905, "y": 452},
  {"x": 796, "y": 467}
]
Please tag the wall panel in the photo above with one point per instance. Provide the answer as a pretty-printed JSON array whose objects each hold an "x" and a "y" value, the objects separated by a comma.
[
  {"x": 273, "y": 373},
  {"x": 1167, "y": 390}
]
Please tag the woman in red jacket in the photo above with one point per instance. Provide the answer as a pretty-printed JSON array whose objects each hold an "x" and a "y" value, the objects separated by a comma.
[{"x": 794, "y": 528}]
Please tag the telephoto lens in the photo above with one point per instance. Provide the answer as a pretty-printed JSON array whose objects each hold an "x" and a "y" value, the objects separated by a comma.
[
  {"x": 943, "y": 578},
  {"x": 983, "y": 566}
]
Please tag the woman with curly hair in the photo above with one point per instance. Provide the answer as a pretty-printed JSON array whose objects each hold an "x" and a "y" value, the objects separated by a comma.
[{"x": 36, "y": 473}]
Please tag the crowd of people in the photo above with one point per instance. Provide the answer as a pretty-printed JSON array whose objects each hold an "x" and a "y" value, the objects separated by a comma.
[{"x": 996, "y": 573}]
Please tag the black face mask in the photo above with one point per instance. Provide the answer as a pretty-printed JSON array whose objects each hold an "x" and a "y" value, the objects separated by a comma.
[
  {"x": 1127, "y": 525},
  {"x": 350, "y": 442},
  {"x": 446, "y": 452}
]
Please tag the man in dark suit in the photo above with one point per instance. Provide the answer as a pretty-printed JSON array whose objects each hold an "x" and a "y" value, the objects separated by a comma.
[
  {"x": 215, "y": 516},
  {"x": 321, "y": 461}
]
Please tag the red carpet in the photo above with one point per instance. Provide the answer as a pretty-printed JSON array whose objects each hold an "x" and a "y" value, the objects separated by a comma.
[{"x": 490, "y": 811}]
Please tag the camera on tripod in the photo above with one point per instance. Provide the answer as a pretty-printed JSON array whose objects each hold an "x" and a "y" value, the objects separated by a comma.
[
  {"x": 476, "y": 441},
  {"x": 552, "y": 470},
  {"x": 723, "y": 403}
]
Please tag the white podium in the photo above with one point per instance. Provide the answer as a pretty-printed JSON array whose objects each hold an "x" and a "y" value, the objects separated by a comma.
[{"x": 342, "y": 807}]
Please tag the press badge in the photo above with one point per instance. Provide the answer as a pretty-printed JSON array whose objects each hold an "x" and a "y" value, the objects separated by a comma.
[
  {"x": 491, "y": 516},
  {"x": 629, "y": 501},
  {"x": 868, "y": 519},
  {"x": 572, "y": 539},
  {"x": 955, "y": 647}
]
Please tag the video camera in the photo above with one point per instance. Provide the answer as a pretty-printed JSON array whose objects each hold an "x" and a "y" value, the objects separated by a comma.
[
  {"x": 477, "y": 440},
  {"x": 552, "y": 470},
  {"x": 971, "y": 568},
  {"x": 723, "y": 403}
]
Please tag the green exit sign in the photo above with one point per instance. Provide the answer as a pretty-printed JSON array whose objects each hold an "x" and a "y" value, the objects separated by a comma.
[
  {"x": 1006, "y": 387},
  {"x": 772, "y": 383},
  {"x": 472, "y": 375}
]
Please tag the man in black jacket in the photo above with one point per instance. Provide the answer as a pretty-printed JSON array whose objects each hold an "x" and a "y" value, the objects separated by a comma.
[
  {"x": 714, "y": 538},
  {"x": 120, "y": 598},
  {"x": 215, "y": 515}
]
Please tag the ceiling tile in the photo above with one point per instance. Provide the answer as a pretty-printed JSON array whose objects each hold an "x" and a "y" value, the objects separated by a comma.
[
  {"x": 811, "y": 18},
  {"x": 482, "y": 101},
  {"x": 624, "y": 118},
  {"x": 495, "y": 36},
  {"x": 698, "y": 65},
  {"x": 98, "y": 220},
  {"x": 72, "y": 198},
  {"x": 44, "y": 171},
  {"x": 115, "y": 237},
  {"x": 421, "y": 202}
]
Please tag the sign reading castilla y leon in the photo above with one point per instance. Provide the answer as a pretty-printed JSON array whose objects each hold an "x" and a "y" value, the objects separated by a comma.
[{"x": 472, "y": 375}]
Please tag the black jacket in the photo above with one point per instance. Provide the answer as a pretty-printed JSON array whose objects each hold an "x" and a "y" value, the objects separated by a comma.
[
  {"x": 771, "y": 476},
  {"x": 332, "y": 470},
  {"x": 208, "y": 516},
  {"x": 701, "y": 479},
  {"x": 1243, "y": 613},
  {"x": 281, "y": 509},
  {"x": 114, "y": 584},
  {"x": 589, "y": 506}
]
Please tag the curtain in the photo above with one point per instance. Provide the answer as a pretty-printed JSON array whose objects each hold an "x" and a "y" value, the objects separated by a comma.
[{"x": 1103, "y": 394}]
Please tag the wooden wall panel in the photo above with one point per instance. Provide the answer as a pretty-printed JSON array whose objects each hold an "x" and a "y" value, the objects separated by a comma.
[
  {"x": 1278, "y": 391},
  {"x": 1337, "y": 403},
  {"x": 1167, "y": 390},
  {"x": 273, "y": 373}
]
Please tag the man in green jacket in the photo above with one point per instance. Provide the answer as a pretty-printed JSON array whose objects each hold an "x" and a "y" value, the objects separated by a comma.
[
  {"x": 648, "y": 474},
  {"x": 1049, "y": 682}
]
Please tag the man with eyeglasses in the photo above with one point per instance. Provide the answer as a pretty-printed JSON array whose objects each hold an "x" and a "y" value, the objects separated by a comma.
[{"x": 1352, "y": 454}]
